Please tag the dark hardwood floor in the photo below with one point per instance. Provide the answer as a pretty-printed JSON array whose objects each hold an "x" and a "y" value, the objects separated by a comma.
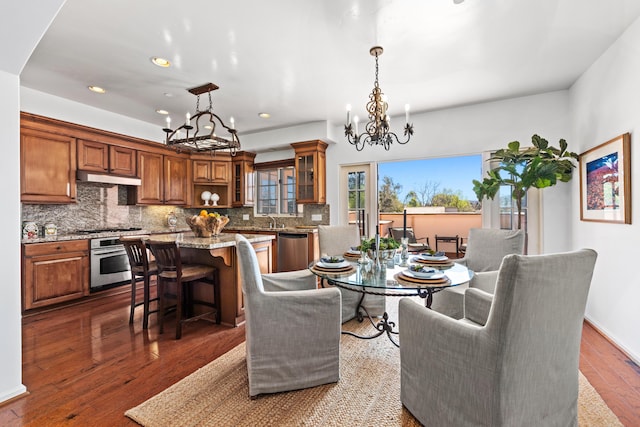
[{"x": 85, "y": 365}]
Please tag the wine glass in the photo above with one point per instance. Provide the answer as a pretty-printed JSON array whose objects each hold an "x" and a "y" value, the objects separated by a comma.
[{"x": 205, "y": 196}]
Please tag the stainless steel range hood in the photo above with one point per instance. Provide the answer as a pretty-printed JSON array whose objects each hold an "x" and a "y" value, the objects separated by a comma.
[{"x": 85, "y": 176}]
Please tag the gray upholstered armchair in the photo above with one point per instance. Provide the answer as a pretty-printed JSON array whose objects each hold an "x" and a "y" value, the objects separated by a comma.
[
  {"x": 336, "y": 240},
  {"x": 293, "y": 336},
  {"x": 485, "y": 249},
  {"x": 521, "y": 368}
]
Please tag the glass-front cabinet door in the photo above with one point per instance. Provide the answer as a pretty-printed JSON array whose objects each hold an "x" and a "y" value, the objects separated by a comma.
[
  {"x": 305, "y": 177},
  {"x": 311, "y": 168}
]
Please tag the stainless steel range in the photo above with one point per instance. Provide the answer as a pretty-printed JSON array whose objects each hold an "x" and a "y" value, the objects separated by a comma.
[{"x": 108, "y": 260}]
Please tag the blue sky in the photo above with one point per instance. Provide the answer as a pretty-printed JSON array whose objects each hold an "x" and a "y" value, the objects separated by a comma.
[{"x": 455, "y": 173}]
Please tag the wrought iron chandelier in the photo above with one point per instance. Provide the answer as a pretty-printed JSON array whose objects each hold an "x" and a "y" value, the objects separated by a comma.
[
  {"x": 203, "y": 124},
  {"x": 377, "y": 130}
]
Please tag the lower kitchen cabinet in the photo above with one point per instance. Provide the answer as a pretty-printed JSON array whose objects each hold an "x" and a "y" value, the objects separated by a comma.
[{"x": 54, "y": 272}]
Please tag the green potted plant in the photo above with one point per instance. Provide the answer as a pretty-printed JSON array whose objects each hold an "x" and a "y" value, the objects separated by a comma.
[{"x": 539, "y": 166}]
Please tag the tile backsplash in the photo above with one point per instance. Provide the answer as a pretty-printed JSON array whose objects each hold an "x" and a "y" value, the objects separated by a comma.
[{"x": 105, "y": 205}]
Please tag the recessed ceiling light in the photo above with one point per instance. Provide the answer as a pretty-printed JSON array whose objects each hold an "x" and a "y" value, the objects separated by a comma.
[
  {"x": 161, "y": 62},
  {"x": 97, "y": 89},
  {"x": 264, "y": 115},
  {"x": 165, "y": 112}
]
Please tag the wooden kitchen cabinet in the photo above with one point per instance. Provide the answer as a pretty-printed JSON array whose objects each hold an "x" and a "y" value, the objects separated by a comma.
[
  {"x": 164, "y": 179},
  {"x": 93, "y": 156},
  {"x": 176, "y": 180},
  {"x": 48, "y": 167},
  {"x": 311, "y": 171},
  {"x": 151, "y": 171},
  {"x": 122, "y": 161},
  {"x": 243, "y": 179},
  {"x": 97, "y": 156},
  {"x": 211, "y": 171},
  {"x": 54, "y": 272},
  {"x": 213, "y": 176}
]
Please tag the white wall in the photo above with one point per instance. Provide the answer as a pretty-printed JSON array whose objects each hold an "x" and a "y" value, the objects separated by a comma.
[
  {"x": 604, "y": 104},
  {"x": 10, "y": 317}
]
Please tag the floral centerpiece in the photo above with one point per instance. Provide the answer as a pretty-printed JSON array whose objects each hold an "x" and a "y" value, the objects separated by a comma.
[{"x": 207, "y": 224}]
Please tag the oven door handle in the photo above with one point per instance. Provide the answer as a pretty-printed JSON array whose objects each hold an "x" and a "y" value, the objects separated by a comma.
[{"x": 108, "y": 251}]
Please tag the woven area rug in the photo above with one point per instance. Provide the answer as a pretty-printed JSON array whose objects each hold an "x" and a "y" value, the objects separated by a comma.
[{"x": 368, "y": 394}]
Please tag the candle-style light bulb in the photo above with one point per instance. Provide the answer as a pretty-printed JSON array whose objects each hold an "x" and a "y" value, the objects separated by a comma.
[
  {"x": 168, "y": 122},
  {"x": 348, "y": 114},
  {"x": 233, "y": 123},
  {"x": 356, "y": 120},
  {"x": 188, "y": 119},
  {"x": 406, "y": 113}
]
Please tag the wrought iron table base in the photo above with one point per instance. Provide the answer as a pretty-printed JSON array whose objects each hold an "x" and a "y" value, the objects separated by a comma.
[{"x": 383, "y": 325}]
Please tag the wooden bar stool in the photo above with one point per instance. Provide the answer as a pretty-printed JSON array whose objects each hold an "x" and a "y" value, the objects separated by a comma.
[
  {"x": 141, "y": 269},
  {"x": 171, "y": 270}
]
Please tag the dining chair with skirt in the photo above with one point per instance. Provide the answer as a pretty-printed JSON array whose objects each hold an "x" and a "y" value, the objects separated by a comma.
[
  {"x": 486, "y": 247},
  {"x": 335, "y": 240},
  {"x": 520, "y": 367},
  {"x": 292, "y": 336}
]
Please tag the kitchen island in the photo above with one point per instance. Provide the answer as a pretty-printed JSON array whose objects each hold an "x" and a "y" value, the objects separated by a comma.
[
  {"x": 56, "y": 269},
  {"x": 220, "y": 251}
]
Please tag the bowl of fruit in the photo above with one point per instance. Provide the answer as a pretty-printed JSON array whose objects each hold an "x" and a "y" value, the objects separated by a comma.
[{"x": 207, "y": 224}]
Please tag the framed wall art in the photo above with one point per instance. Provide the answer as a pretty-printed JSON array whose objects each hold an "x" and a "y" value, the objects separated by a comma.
[{"x": 605, "y": 182}]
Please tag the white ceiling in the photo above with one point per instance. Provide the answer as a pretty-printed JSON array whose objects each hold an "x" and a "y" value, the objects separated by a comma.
[{"x": 304, "y": 60}]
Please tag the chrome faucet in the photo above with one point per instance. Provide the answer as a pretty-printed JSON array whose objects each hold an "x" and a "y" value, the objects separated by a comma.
[{"x": 273, "y": 223}]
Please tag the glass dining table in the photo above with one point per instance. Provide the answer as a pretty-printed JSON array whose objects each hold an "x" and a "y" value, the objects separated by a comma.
[{"x": 365, "y": 278}]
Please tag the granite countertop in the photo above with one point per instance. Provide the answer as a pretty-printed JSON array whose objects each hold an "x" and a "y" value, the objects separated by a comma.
[
  {"x": 188, "y": 240},
  {"x": 145, "y": 231},
  {"x": 298, "y": 229},
  {"x": 86, "y": 236}
]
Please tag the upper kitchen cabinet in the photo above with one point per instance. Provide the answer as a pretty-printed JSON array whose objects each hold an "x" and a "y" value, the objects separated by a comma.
[
  {"x": 176, "y": 180},
  {"x": 243, "y": 179},
  {"x": 122, "y": 161},
  {"x": 165, "y": 179},
  {"x": 211, "y": 171},
  {"x": 211, "y": 175},
  {"x": 97, "y": 156},
  {"x": 48, "y": 167},
  {"x": 311, "y": 169}
]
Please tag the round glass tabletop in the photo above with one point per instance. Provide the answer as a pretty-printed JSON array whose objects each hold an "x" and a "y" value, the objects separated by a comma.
[{"x": 390, "y": 281}]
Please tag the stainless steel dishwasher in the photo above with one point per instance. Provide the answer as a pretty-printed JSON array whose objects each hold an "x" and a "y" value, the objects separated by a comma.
[{"x": 293, "y": 251}]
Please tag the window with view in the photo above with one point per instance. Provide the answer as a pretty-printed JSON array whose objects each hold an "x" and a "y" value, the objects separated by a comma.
[
  {"x": 440, "y": 182},
  {"x": 276, "y": 191}
]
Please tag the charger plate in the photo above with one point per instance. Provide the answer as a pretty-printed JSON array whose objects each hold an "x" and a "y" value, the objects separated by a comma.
[
  {"x": 401, "y": 278},
  {"x": 349, "y": 269},
  {"x": 436, "y": 264},
  {"x": 352, "y": 256}
]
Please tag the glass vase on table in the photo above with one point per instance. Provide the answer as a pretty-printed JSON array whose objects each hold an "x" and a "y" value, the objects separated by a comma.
[
  {"x": 364, "y": 259},
  {"x": 404, "y": 255}
]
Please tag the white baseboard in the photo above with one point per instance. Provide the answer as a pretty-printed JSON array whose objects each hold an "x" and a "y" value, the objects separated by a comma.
[
  {"x": 11, "y": 394},
  {"x": 603, "y": 331}
]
